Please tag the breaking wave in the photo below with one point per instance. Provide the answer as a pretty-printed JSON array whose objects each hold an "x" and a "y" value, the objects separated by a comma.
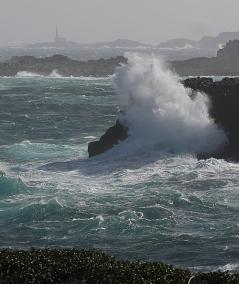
[
  {"x": 27, "y": 74},
  {"x": 57, "y": 75},
  {"x": 161, "y": 112},
  {"x": 10, "y": 186}
]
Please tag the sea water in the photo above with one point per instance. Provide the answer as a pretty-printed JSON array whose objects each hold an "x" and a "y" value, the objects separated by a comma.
[{"x": 139, "y": 204}]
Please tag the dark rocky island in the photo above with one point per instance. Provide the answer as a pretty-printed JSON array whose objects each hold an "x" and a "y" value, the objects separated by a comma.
[
  {"x": 226, "y": 63},
  {"x": 63, "y": 65},
  {"x": 206, "y": 42},
  {"x": 224, "y": 96}
]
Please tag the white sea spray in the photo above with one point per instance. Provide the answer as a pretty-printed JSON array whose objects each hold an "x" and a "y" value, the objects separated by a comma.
[{"x": 160, "y": 111}]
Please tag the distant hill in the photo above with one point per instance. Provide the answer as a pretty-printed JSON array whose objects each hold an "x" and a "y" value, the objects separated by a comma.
[
  {"x": 205, "y": 43},
  {"x": 226, "y": 63},
  {"x": 66, "y": 44},
  {"x": 208, "y": 42},
  {"x": 62, "y": 65},
  {"x": 119, "y": 43},
  {"x": 177, "y": 43}
]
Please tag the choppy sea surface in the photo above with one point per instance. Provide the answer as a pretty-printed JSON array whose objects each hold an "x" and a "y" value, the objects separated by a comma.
[{"x": 148, "y": 205}]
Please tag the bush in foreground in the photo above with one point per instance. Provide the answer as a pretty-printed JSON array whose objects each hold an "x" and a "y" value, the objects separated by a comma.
[{"x": 80, "y": 266}]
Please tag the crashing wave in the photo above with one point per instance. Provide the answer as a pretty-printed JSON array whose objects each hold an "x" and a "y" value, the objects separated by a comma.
[
  {"x": 27, "y": 74},
  {"x": 160, "y": 111},
  {"x": 10, "y": 186},
  {"x": 56, "y": 75}
]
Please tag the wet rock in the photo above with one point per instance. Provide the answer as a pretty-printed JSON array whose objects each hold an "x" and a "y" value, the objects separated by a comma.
[
  {"x": 224, "y": 109},
  {"x": 112, "y": 136}
]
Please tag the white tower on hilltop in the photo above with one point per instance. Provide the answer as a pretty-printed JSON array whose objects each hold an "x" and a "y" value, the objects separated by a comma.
[
  {"x": 59, "y": 40},
  {"x": 57, "y": 35}
]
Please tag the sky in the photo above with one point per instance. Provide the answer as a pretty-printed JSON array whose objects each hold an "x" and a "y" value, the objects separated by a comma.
[{"x": 88, "y": 21}]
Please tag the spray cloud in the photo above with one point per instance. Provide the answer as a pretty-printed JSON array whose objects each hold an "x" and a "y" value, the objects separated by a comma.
[{"x": 160, "y": 111}]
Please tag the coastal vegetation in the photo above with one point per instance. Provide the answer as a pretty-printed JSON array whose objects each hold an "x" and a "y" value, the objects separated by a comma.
[{"x": 91, "y": 266}]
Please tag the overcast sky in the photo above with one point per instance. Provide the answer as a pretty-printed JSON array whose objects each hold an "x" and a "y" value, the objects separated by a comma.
[{"x": 86, "y": 21}]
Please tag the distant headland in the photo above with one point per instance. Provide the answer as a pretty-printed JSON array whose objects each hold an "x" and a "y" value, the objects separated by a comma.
[
  {"x": 206, "y": 42},
  {"x": 226, "y": 63},
  {"x": 63, "y": 65},
  {"x": 62, "y": 42}
]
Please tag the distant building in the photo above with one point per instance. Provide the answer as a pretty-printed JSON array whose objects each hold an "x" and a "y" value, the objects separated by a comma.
[{"x": 59, "y": 40}]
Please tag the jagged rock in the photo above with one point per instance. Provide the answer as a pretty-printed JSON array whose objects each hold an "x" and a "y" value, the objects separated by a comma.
[
  {"x": 112, "y": 137},
  {"x": 224, "y": 97}
]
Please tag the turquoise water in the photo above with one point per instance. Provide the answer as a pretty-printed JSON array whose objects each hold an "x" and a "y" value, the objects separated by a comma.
[{"x": 146, "y": 205}]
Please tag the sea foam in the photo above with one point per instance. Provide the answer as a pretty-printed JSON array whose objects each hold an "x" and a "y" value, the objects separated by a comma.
[{"x": 160, "y": 111}]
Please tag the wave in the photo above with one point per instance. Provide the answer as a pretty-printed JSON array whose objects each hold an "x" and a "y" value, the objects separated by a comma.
[
  {"x": 11, "y": 186},
  {"x": 185, "y": 47},
  {"x": 160, "y": 112},
  {"x": 26, "y": 74},
  {"x": 26, "y": 150},
  {"x": 46, "y": 210},
  {"x": 56, "y": 75},
  {"x": 228, "y": 267}
]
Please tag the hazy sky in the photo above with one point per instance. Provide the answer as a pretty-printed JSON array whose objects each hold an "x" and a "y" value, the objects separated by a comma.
[{"x": 149, "y": 21}]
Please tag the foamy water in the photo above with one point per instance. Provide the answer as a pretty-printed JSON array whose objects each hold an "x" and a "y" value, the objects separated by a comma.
[
  {"x": 146, "y": 203},
  {"x": 161, "y": 112}
]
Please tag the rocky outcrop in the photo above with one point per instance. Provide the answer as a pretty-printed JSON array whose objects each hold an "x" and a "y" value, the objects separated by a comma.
[
  {"x": 62, "y": 64},
  {"x": 224, "y": 96},
  {"x": 112, "y": 137},
  {"x": 206, "y": 42},
  {"x": 226, "y": 63}
]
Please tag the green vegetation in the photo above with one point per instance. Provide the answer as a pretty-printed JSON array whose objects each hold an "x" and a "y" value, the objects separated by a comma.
[{"x": 81, "y": 266}]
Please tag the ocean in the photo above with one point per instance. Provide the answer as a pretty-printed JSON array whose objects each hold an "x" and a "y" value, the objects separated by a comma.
[{"x": 147, "y": 204}]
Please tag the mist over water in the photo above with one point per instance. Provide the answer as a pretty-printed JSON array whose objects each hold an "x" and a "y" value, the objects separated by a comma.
[{"x": 161, "y": 112}]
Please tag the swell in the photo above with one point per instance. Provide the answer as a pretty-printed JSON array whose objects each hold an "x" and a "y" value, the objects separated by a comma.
[{"x": 11, "y": 186}]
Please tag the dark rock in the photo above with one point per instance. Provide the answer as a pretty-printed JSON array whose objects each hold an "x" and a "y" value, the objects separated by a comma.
[
  {"x": 226, "y": 63},
  {"x": 112, "y": 137},
  {"x": 64, "y": 65},
  {"x": 224, "y": 97}
]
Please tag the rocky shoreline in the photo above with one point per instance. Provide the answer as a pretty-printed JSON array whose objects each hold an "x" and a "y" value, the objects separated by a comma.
[
  {"x": 63, "y": 65},
  {"x": 91, "y": 266},
  {"x": 226, "y": 63},
  {"x": 224, "y": 97}
]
